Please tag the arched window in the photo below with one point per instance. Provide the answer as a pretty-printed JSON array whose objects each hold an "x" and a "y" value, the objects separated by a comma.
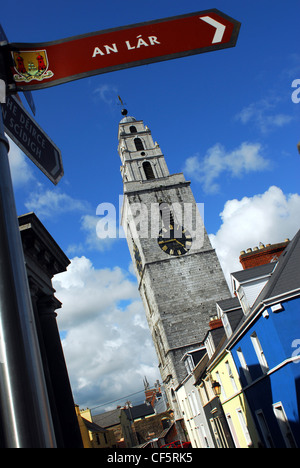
[
  {"x": 167, "y": 216},
  {"x": 132, "y": 129},
  {"x": 138, "y": 144},
  {"x": 148, "y": 170}
]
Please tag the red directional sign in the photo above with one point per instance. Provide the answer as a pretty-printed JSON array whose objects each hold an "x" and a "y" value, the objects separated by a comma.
[{"x": 47, "y": 64}]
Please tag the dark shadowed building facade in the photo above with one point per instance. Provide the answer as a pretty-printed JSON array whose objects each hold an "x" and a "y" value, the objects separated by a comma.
[{"x": 44, "y": 259}]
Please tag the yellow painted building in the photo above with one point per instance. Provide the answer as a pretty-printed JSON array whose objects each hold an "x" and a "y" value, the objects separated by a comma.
[
  {"x": 233, "y": 400},
  {"x": 93, "y": 436}
]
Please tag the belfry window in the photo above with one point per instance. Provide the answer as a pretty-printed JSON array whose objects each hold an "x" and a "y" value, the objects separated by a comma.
[
  {"x": 166, "y": 214},
  {"x": 148, "y": 170},
  {"x": 138, "y": 144},
  {"x": 132, "y": 129}
]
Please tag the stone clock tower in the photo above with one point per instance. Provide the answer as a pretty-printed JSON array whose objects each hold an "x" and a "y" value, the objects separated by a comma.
[{"x": 178, "y": 272}]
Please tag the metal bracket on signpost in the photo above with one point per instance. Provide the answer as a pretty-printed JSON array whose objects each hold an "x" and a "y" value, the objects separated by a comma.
[
  {"x": 5, "y": 63},
  {"x": 2, "y": 92},
  {"x": 11, "y": 87}
]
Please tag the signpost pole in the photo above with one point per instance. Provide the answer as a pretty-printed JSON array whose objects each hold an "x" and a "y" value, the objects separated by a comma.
[{"x": 24, "y": 406}]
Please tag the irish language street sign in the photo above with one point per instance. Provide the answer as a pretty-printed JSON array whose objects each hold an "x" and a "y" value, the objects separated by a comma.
[
  {"x": 47, "y": 64},
  {"x": 31, "y": 139}
]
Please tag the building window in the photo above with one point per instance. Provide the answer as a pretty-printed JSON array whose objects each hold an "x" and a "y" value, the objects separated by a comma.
[
  {"x": 209, "y": 344},
  {"x": 259, "y": 353},
  {"x": 284, "y": 425},
  {"x": 148, "y": 170},
  {"x": 189, "y": 408},
  {"x": 218, "y": 432},
  {"x": 232, "y": 430},
  {"x": 264, "y": 429},
  {"x": 189, "y": 364},
  {"x": 204, "y": 436},
  {"x": 244, "y": 426},
  {"x": 174, "y": 401},
  {"x": 138, "y": 144},
  {"x": 166, "y": 215},
  {"x": 132, "y": 129},
  {"x": 244, "y": 366},
  {"x": 192, "y": 406},
  {"x": 196, "y": 404},
  {"x": 226, "y": 325},
  {"x": 243, "y": 300},
  {"x": 231, "y": 376}
]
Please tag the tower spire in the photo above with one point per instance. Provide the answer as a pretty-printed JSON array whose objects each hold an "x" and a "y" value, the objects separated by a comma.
[
  {"x": 123, "y": 111},
  {"x": 180, "y": 278}
]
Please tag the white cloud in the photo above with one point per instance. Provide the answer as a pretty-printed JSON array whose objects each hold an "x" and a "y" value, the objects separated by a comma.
[
  {"x": 264, "y": 115},
  {"x": 107, "y": 93},
  {"x": 242, "y": 160},
  {"x": 52, "y": 203},
  {"x": 268, "y": 218},
  {"x": 108, "y": 347},
  {"x": 93, "y": 241},
  {"x": 21, "y": 172},
  {"x": 107, "y": 343}
]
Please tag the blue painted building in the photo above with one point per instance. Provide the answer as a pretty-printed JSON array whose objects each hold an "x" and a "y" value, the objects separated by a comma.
[{"x": 266, "y": 346}]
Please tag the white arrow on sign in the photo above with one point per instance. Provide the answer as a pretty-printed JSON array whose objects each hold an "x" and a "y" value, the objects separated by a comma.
[{"x": 220, "y": 28}]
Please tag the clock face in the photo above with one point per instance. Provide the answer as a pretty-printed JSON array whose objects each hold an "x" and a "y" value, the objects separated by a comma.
[
  {"x": 138, "y": 259},
  {"x": 175, "y": 241}
]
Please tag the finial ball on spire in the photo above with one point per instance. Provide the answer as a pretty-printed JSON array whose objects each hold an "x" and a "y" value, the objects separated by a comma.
[{"x": 124, "y": 111}]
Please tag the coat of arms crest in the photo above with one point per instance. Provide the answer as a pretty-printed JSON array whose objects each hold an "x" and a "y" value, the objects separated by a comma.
[{"x": 31, "y": 65}]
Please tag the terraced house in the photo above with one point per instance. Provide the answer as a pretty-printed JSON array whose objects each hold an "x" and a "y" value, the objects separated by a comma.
[{"x": 248, "y": 378}]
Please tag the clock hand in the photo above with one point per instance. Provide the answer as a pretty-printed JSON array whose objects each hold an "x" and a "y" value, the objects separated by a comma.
[
  {"x": 179, "y": 243},
  {"x": 164, "y": 241}
]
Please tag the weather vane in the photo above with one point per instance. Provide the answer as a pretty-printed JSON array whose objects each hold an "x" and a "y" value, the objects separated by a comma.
[{"x": 123, "y": 111}]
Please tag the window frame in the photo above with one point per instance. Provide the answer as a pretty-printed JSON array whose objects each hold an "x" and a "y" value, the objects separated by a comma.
[{"x": 259, "y": 353}]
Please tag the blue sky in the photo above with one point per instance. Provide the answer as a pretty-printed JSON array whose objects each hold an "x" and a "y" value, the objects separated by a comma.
[{"x": 225, "y": 118}]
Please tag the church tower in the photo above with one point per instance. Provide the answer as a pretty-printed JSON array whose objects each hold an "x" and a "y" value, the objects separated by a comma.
[{"x": 179, "y": 275}]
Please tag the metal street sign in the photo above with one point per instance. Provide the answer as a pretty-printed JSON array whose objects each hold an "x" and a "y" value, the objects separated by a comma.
[
  {"x": 31, "y": 139},
  {"x": 47, "y": 64}
]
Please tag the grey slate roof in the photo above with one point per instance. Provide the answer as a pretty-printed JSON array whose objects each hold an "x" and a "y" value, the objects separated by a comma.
[
  {"x": 229, "y": 304},
  {"x": 255, "y": 272},
  {"x": 108, "y": 419},
  {"x": 286, "y": 276},
  {"x": 112, "y": 418},
  {"x": 92, "y": 426},
  {"x": 139, "y": 411}
]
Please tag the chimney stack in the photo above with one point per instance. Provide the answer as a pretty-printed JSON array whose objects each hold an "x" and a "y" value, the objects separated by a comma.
[{"x": 262, "y": 254}]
